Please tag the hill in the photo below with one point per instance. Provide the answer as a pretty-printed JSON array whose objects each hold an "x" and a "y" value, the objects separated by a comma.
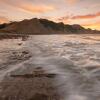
[{"x": 43, "y": 26}]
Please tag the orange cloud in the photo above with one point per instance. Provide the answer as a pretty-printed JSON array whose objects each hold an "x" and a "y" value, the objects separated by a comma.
[
  {"x": 78, "y": 17},
  {"x": 28, "y": 6},
  {"x": 36, "y": 8},
  {"x": 3, "y": 20},
  {"x": 89, "y": 16}
]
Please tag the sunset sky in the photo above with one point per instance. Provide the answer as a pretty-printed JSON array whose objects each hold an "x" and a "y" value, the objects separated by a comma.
[{"x": 83, "y": 12}]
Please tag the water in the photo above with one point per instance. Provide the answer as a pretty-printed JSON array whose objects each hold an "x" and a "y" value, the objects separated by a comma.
[{"x": 74, "y": 59}]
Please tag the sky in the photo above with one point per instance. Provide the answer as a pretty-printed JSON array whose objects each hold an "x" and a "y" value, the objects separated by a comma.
[{"x": 83, "y": 12}]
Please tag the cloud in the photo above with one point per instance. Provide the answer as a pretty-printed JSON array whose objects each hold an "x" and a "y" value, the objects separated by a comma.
[
  {"x": 3, "y": 19},
  {"x": 29, "y": 6},
  {"x": 72, "y": 2},
  {"x": 89, "y": 16},
  {"x": 79, "y": 17},
  {"x": 36, "y": 8}
]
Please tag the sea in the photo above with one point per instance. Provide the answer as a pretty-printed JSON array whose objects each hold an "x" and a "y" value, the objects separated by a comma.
[{"x": 74, "y": 58}]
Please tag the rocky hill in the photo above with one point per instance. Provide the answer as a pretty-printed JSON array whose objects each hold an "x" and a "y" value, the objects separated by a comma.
[{"x": 43, "y": 26}]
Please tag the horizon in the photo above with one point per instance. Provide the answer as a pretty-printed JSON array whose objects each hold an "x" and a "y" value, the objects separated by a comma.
[{"x": 85, "y": 13}]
